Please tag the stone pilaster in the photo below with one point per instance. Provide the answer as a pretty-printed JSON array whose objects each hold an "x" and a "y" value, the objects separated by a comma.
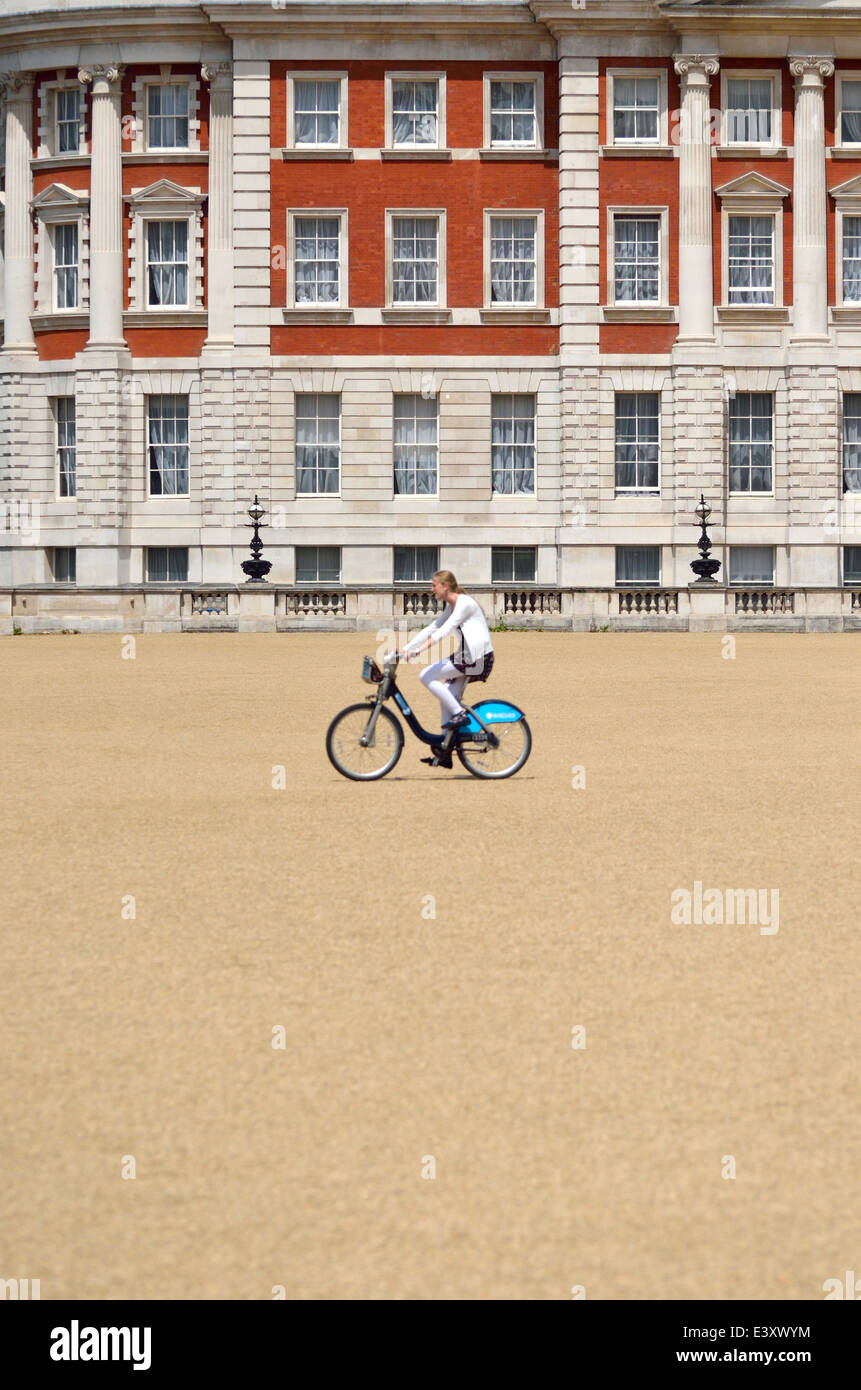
[
  {"x": 19, "y": 278},
  {"x": 581, "y": 466},
  {"x": 699, "y": 462},
  {"x": 696, "y": 276},
  {"x": 810, "y": 273},
  {"x": 579, "y": 213},
  {"x": 220, "y": 207},
  {"x": 107, "y": 256}
]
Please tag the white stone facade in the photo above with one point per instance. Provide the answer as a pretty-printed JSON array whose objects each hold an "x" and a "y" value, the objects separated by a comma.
[{"x": 241, "y": 397}]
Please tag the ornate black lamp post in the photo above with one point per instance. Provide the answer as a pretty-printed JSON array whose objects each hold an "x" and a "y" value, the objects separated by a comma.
[
  {"x": 256, "y": 569},
  {"x": 706, "y": 567}
]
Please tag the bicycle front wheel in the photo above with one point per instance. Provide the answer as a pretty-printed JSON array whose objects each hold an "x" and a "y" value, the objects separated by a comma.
[
  {"x": 515, "y": 745},
  {"x": 351, "y": 758}
]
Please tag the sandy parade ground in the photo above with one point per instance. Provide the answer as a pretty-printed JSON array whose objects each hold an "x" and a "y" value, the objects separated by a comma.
[{"x": 423, "y": 947}]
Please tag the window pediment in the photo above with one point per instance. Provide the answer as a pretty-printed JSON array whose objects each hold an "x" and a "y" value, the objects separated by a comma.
[
  {"x": 848, "y": 192},
  {"x": 57, "y": 197},
  {"x": 753, "y": 187},
  {"x": 165, "y": 196}
]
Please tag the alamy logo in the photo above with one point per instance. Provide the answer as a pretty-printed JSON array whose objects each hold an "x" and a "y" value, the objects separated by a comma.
[
  {"x": 714, "y": 907},
  {"x": 19, "y": 1288},
  {"x": 76, "y": 1343},
  {"x": 834, "y": 1288}
]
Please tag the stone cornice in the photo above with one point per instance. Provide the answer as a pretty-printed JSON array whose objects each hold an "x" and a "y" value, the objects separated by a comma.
[
  {"x": 110, "y": 24},
  {"x": 436, "y": 19}
]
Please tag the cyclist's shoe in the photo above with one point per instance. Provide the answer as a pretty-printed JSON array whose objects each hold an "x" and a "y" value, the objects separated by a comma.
[
  {"x": 440, "y": 758},
  {"x": 457, "y": 721}
]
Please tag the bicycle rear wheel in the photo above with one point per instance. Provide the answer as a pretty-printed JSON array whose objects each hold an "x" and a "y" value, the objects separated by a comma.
[
  {"x": 350, "y": 757},
  {"x": 515, "y": 745}
]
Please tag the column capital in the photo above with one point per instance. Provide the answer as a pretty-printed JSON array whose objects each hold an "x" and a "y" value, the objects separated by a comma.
[
  {"x": 219, "y": 75},
  {"x": 696, "y": 65},
  {"x": 17, "y": 86},
  {"x": 811, "y": 67},
  {"x": 107, "y": 75}
]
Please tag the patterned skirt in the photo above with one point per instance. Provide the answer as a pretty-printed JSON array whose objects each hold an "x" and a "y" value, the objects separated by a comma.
[{"x": 474, "y": 670}]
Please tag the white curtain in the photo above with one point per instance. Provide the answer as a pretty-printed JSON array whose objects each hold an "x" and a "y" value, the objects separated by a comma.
[
  {"x": 415, "y": 266},
  {"x": 851, "y": 115},
  {"x": 637, "y": 260},
  {"x": 414, "y": 115},
  {"x": 852, "y": 442},
  {"x": 638, "y": 564},
  {"x": 317, "y": 443},
  {"x": 751, "y": 442},
  {"x": 317, "y": 260},
  {"x": 168, "y": 262},
  {"x": 168, "y": 446},
  {"x": 749, "y": 113},
  {"x": 316, "y": 113},
  {"x": 512, "y": 260},
  {"x": 637, "y": 440},
  {"x": 415, "y": 444},
  {"x": 751, "y": 260},
  {"x": 751, "y": 564},
  {"x": 513, "y": 444},
  {"x": 635, "y": 108}
]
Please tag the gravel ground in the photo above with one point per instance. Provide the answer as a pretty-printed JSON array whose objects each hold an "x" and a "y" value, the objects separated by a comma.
[{"x": 415, "y": 1041}]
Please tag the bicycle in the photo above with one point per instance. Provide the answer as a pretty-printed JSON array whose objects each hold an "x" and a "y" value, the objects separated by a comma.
[{"x": 365, "y": 743}]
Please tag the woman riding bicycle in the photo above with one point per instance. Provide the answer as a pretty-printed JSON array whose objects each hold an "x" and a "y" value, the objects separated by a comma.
[{"x": 473, "y": 661}]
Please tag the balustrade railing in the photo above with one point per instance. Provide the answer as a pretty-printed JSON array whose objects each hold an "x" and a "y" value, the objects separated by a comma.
[
  {"x": 764, "y": 601},
  {"x": 532, "y": 601},
  {"x": 655, "y": 601}
]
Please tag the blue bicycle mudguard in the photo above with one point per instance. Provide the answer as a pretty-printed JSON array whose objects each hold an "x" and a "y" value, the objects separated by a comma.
[{"x": 494, "y": 712}]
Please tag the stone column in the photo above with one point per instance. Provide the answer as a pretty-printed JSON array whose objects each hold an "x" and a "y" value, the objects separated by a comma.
[
  {"x": 810, "y": 266},
  {"x": 219, "y": 266},
  {"x": 107, "y": 253},
  {"x": 696, "y": 273},
  {"x": 19, "y": 282}
]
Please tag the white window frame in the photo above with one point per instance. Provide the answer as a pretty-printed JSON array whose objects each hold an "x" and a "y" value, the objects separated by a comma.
[
  {"x": 343, "y": 299},
  {"x": 637, "y": 583},
  {"x": 54, "y": 205},
  {"x": 847, "y": 203},
  {"x": 318, "y": 548},
  {"x": 318, "y": 75},
  {"x": 166, "y": 496},
  {"x": 297, "y": 493},
  {"x": 663, "y": 106},
  {"x": 48, "y": 147},
  {"x": 639, "y": 491},
  {"x": 504, "y": 305},
  {"x": 165, "y": 201},
  {"x": 441, "y": 301},
  {"x": 535, "y": 77},
  {"x": 773, "y": 75},
  {"x": 140, "y": 106},
  {"x": 514, "y": 546},
  {"x": 409, "y": 76},
  {"x": 848, "y": 75},
  {"x": 662, "y": 215},
  {"x": 776, "y": 256},
  {"x": 168, "y": 580},
  {"x": 415, "y": 496},
  {"x": 748, "y": 493},
  {"x": 59, "y": 494},
  {"x": 189, "y": 262},
  {"x": 535, "y": 442},
  {"x": 751, "y": 583},
  {"x": 845, "y": 491}
]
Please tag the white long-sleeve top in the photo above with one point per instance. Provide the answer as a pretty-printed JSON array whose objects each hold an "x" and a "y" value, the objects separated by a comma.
[{"x": 465, "y": 616}]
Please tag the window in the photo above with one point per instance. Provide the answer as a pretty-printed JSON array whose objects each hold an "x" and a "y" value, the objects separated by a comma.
[
  {"x": 416, "y": 445},
  {"x": 68, "y": 108},
  {"x": 513, "y": 261},
  {"x": 851, "y": 259},
  {"x": 751, "y": 442},
  {"x": 317, "y": 260},
  {"x": 637, "y": 259},
  {"x": 168, "y": 446},
  {"x": 852, "y": 564},
  {"x": 751, "y": 260},
  {"x": 415, "y": 564},
  {"x": 318, "y": 564},
  {"x": 66, "y": 446},
  {"x": 748, "y": 111},
  {"x": 413, "y": 111},
  {"x": 317, "y": 110},
  {"x": 167, "y": 116},
  {"x": 514, "y": 112},
  {"x": 751, "y": 107},
  {"x": 66, "y": 265},
  {"x": 416, "y": 260},
  {"x": 318, "y": 443},
  {"x": 850, "y": 113},
  {"x": 751, "y": 564},
  {"x": 166, "y": 564},
  {"x": 512, "y": 564},
  {"x": 167, "y": 263},
  {"x": 636, "y": 110},
  {"x": 638, "y": 564},
  {"x": 64, "y": 564},
  {"x": 852, "y": 442},
  {"x": 637, "y": 441},
  {"x": 513, "y": 444}
]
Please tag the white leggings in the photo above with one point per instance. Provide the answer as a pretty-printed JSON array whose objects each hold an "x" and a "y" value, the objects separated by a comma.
[{"x": 450, "y": 693}]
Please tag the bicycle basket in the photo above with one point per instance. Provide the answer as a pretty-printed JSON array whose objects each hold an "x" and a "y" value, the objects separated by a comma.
[{"x": 371, "y": 671}]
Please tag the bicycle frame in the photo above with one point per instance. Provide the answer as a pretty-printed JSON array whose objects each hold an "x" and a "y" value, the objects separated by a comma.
[{"x": 389, "y": 690}]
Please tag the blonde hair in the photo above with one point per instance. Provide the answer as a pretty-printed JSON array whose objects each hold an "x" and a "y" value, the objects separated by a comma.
[{"x": 446, "y": 577}]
